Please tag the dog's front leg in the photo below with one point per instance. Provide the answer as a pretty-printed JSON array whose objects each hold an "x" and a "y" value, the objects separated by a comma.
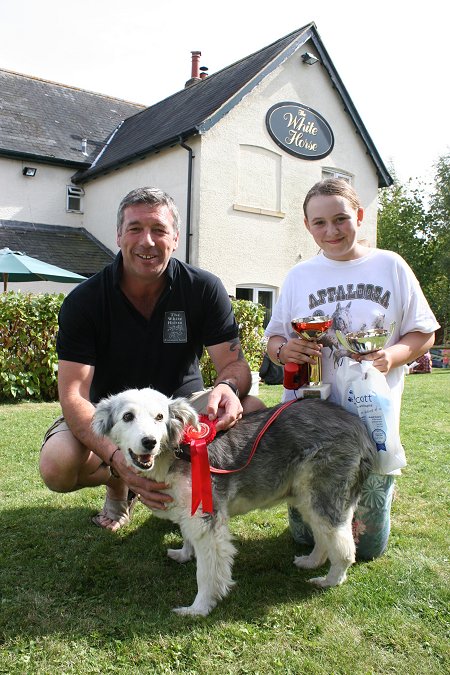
[{"x": 214, "y": 551}]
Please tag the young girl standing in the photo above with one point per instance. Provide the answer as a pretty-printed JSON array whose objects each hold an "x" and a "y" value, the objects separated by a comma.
[{"x": 360, "y": 288}]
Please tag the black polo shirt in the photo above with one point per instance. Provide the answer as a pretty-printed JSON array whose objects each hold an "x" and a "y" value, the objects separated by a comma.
[{"x": 98, "y": 326}]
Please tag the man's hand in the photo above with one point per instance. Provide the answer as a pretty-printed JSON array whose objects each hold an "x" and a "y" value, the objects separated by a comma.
[
  {"x": 224, "y": 405},
  {"x": 148, "y": 490}
]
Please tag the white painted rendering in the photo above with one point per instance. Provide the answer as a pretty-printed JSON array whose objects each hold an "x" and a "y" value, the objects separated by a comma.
[
  {"x": 167, "y": 170},
  {"x": 240, "y": 162},
  {"x": 37, "y": 199},
  {"x": 38, "y": 287}
]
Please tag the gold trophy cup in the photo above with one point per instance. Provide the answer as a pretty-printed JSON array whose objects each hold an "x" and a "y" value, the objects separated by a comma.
[{"x": 313, "y": 328}]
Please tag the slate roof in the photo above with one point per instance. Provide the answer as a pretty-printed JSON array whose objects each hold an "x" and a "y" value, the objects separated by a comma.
[
  {"x": 72, "y": 248},
  {"x": 45, "y": 120},
  {"x": 197, "y": 108}
]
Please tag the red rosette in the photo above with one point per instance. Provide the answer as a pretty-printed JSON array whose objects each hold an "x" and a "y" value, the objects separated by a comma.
[
  {"x": 206, "y": 432},
  {"x": 201, "y": 476}
]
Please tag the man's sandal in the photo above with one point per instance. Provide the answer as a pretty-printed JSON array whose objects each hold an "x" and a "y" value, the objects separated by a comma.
[{"x": 117, "y": 510}]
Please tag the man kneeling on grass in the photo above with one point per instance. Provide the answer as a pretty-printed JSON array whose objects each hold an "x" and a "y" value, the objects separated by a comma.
[{"x": 143, "y": 321}]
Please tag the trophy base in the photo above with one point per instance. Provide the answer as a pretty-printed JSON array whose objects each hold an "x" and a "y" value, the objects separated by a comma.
[{"x": 314, "y": 391}]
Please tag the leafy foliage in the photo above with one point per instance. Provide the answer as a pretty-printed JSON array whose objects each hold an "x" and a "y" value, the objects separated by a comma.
[
  {"x": 28, "y": 360},
  {"x": 420, "y": 233},
  {"x": 439, "y": 291},
  {"x": 249, "y": 317}
]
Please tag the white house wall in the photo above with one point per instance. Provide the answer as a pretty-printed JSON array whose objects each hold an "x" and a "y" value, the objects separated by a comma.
[
  {"x": 37, "y": 199},
  {"x": 38, "y": 287},
  {"x": 249, "y": 248},
  {"x": 167, "y": 170}
]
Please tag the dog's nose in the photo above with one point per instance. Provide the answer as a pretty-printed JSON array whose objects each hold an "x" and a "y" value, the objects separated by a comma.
[{"x": 148, "y": 442}]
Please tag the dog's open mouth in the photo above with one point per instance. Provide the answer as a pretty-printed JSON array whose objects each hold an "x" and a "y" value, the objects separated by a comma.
[{"x": 141, "y": 461}]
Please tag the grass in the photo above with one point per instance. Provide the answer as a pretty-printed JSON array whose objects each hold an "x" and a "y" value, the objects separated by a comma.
[{"x": 76, "y": 599}]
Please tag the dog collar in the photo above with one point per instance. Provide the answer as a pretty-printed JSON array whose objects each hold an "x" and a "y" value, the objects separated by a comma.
[{"x": 182, "y": 452}]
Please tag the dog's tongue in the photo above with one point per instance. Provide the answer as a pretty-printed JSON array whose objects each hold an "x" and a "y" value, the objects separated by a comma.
[{"x": 141, "y": 460}]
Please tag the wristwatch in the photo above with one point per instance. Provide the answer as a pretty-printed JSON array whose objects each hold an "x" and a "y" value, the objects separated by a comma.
[{"x": 231, "y": 385}]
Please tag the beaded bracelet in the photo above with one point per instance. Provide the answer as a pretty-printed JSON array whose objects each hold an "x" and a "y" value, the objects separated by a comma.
[{"x": 279, "y": 352}]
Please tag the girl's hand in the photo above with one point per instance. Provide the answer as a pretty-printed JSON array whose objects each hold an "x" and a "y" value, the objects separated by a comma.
[
  {"x": 381, "y": 360},
  {"x": 299, "y": 350}
]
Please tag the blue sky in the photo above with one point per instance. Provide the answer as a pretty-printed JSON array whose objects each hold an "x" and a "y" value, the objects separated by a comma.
[{"x": 392, "y": 55}]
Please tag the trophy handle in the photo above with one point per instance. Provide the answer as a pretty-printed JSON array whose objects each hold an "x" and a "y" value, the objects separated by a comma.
[
  {"x": 343, "y": 340},
  {"x": 390, "y": 332}
]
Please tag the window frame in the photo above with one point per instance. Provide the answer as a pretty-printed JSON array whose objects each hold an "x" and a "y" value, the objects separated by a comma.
[
  {"x": 331, "y": 172},
  {"x": 74, "y": 192},
  {"x": 256, "y": 288}
]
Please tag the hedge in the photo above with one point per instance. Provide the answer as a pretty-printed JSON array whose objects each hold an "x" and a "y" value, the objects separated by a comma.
[
  {"x": 249, "y": 317},
  {"x": 28, "y": 359}
]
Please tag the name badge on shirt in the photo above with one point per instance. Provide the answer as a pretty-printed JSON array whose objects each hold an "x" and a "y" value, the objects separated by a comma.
[{"x": 175, "y": 327}]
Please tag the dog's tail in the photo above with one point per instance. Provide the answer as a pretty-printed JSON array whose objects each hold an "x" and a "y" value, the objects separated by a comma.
[{"x": 368, "y": 454}]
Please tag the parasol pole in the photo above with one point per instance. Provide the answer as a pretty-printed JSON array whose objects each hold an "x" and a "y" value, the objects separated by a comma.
[{"x": 5, "y": 282}]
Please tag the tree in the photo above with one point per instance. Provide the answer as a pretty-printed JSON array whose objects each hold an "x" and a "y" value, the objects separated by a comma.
[
  {"x": 440, "y": 244},
  {"x": 420, "y": 234}
]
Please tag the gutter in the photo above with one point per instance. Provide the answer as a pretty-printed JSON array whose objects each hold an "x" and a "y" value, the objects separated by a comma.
[
  {"x": 43, "y": 159},
  {"x": 188, "y": 199}
]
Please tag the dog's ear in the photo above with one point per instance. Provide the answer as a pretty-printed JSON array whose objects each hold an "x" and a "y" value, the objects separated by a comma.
[
  {"x": 181, "y": 413},
  {"x": 103, "y": 422}
]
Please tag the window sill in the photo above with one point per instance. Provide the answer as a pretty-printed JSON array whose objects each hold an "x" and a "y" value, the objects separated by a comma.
[{"x": 260, "y": 212}]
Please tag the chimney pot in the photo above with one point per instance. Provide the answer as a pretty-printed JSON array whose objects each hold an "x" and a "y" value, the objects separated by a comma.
[{"x": 195, "y": 64}]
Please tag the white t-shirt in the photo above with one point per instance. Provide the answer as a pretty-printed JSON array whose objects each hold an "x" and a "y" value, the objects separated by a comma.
[{"x": 369, "y": 292}]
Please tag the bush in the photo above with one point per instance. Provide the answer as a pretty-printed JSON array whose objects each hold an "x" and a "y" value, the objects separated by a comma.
[
  {"x": 28, "y": 360},
  {"x": 249, "y": 317}
]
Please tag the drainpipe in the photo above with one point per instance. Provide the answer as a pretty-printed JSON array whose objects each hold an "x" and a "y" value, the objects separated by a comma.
[{"x": 189, "y": 200}]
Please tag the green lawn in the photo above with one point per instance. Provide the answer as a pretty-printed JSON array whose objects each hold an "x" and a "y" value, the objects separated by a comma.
[{"x": 77, "y": 599}]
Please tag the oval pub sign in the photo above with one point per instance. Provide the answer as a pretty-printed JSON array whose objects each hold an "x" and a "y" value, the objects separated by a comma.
[{"x": 299, "y": 130}]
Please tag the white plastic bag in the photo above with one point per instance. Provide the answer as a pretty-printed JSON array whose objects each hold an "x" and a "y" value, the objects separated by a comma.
[{"x": 364, "y": 391}]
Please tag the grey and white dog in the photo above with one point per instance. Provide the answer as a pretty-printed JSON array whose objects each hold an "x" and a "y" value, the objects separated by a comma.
[{"x": 315, "y": 456}]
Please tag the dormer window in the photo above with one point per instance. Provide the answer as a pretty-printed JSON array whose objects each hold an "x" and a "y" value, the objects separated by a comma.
[{"x": 74, "y": 201}]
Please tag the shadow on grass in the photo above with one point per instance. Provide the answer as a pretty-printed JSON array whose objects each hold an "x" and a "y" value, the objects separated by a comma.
[{"x": 63, "y": 575}]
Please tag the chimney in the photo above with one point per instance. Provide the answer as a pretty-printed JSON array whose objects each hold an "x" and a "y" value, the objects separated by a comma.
[
  {"x": 195, "y": 70},
  {"x": 204, "y": 72},
  {"x": 195, "y": 64}
]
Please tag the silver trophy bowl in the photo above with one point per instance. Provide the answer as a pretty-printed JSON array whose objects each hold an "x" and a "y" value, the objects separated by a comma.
[{"x": 365, "y": 341}]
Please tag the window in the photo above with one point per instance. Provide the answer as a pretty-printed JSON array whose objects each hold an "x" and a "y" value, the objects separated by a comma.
[
  {"x": 259, "y": 181},
  {"x": 263, "y": 296},
  {"x": 335, "y": 173},
  {"x": 74, "y": 199}
]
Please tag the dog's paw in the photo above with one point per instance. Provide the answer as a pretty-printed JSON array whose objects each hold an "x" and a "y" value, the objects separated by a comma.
[
  {"x": 191, "y": 611},
  {"x": 305, "y": 562},
  {"x": 180, "y": 555},
  {"x": 326, "y": 582},
  {"x": 319, "y": 582}
]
